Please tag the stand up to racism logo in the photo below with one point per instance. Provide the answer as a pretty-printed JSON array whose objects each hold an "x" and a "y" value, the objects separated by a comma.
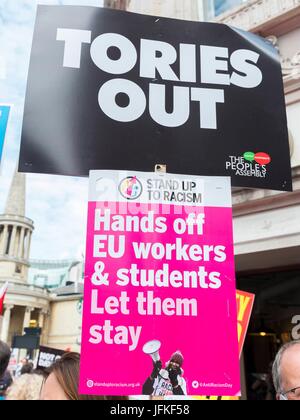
[{"x": 131, "y": 188}]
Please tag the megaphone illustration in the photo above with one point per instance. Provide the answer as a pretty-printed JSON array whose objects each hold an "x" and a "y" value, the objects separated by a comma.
[{"x": 152, "y": 349}]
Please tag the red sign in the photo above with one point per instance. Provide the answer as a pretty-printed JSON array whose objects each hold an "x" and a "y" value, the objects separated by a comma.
[{"x": 245, "y": 302}]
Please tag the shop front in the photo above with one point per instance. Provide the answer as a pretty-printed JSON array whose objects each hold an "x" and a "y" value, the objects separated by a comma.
[{"x": 275, "y": 321}]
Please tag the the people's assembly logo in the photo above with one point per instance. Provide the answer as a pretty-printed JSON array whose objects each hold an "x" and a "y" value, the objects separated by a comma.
[
  {"x": 249, "y": 165},
  {"x": 131, "y": 188}
]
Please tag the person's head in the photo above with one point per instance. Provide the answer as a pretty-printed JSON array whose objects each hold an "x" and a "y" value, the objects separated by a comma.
[
  {"x": 25, "y": 388},
  {"x": 286, "y": 372},
  {"x": 5, "y": 383},
  {"x": 4, "y": 357},
  {"x": 27, "y": 368},
  {"x": 176, "y": 361},
  {"x": 63, "y": 380}
]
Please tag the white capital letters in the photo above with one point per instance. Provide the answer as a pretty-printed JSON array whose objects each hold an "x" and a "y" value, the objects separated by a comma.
[
  {"x": 73, "y": 39},
  {"x": 188, "y": 65},
  {"x": 99, "y": 53},
  {"x": 208, "y": 98},
  {"x": 181, "y": 105},
  {"x": 150, "y": 62},
  {"x": 212, "y": 61},
  {"x": 107, "y": 100},
  {"x": 244, "y": 62}
]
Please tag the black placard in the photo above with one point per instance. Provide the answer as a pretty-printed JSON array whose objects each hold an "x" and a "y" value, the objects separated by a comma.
[
  {"x": 116, "y": 90},
  {"x": 48, "y": 356}
]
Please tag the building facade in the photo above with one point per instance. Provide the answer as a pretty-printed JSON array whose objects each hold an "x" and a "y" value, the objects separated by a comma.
[
  {"x": 23, "y": 302},
  {"x": 52, "y": 275},
  {"x": 39, "y": 292},
  {"x": 117, "y": 4},
  {"x": 181, "y": 9}
]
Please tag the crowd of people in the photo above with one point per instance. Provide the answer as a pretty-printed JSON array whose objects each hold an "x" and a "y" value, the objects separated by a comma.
[{"x": 60, "y": 381}]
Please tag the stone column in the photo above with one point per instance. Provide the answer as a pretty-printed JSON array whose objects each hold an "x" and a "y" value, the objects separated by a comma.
[
  {"x": 46, "y": 328},
  {"x": 6, "y": 323},
  {"x": 4, "y": 240},
  {"x": 27, "y": 317},
  {"x": 28, "y": 244},
  {"x": 206, "y": 10},
  {"x": 12, "y": 242},
  {"x": 42, "y": 323},
  {"x": 21, "y": 244},
  {"x": 41, "y": 319}
]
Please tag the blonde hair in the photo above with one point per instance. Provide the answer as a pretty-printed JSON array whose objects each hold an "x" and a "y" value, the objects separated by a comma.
[{"x": 26, "y": 388}]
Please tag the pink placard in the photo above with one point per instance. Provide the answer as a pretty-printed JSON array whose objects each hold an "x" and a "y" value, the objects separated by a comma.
[{"x": 159, "y": 276}]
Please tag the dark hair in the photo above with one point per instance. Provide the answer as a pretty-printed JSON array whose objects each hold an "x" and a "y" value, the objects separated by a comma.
[
  {"x": 27, "y": 368},
  {"x": 4, "y": 357},
  {"x": 66, "y": 371},
  {"x": 5, "y": 382}
]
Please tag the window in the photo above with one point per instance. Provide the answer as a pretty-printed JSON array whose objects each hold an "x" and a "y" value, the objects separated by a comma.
[
  {"x": 214, "y": 8},
  {"x": 18, "y": 269},
  {"x": 222, "y": 6},
  {"x": 40, "y": 280}
]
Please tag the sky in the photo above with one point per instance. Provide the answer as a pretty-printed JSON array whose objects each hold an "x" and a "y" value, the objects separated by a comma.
[{"x": 57, "y": 205}]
